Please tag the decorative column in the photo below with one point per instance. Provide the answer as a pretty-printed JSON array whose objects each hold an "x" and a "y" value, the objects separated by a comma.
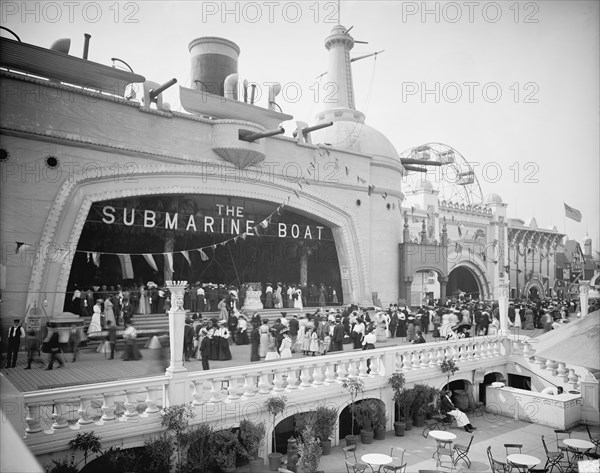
[
  {"x": 503, "y": 305},
  {"x": 177, "y": 389},
  {"x": 584, "y": 289},
  {"x": 407, "y": 286},
  {"x": 443, "y": 283},
  {"x": 590, "y": 394}
]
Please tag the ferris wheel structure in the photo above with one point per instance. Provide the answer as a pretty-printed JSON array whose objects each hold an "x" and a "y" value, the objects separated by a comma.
[{"x": 446, "y": 169}]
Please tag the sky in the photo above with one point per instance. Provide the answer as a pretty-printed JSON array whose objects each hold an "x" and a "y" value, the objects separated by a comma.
[{"x": 512, "y": 86}]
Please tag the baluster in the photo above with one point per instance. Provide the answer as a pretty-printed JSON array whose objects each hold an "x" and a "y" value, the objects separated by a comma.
[
  {"x": 108, "y": 407},
  {"x": 481, "y": 349},
  {"x": 527, "y": 350},
  {"x": 573, "y": 379},
  {"x": 541, "y": 362},
  {"x": 550, "y": 366},
  {"x": 232, "y": 389},
  {"x": 397, "y": 361},
  {"x": 130, "y": 405},
  {"x": 433, "y": 358},
  {"x": 198, "y": 393},
  {"x": 33, "y": 419},
  {"x": 152, "y": 409},
  {"x": 496, "y": 347},
  {"x": 342, "y": 371},
  {"x": 305, "y": 377},
  {"x": 563, "y": 372},
  {"x": 489, "y": 349},
  {"x": 440, "y": 356},
  {"x": 475, "y": 350},
  {"x": 363, "y": 368},
  {"x": 264, "y": 384},
  {"x": 424, "y": 358},
  {"x": 449, "y": 354},
  {"x": 278, "y": 381},
  {"x": 317, "y": 374},
  {"x": 215, "y": 390},
  {"x": 375, "y": 365},
  {"x": 406, "y": 363},
  {"x": 59, "y": 418},
  {"x": 415, "y": 361},
  {"x": 516, "y": 348},
  {"x": 352, "y": 369},
  {"x": 248, "y": 387},
  {"x": 470, "y": 351},
  {"x": 329, "y": 373},
  {"x": 292, "y": 379},
  {"x": 85, "y": 405}
]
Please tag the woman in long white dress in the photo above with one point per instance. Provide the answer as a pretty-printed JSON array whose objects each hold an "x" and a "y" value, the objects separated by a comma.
[
  {"x": 109, "y": 313},
  {"x": 143, "y": 301},
  {"x": 285, "y": 350},
  {"x": 264, "y": 338},
  {"x": 277, "y": 298},
  {"x": 95, "y": 327},
  {"x": 298, "y": 299}
]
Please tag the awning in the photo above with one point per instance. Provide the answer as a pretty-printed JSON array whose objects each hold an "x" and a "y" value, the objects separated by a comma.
[{"x": 576, "y": 343}]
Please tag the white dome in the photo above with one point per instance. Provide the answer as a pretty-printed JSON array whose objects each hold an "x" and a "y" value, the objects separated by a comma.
[
  {"x": 493, "y": 199},
  {"x": 357, "y": 137}
]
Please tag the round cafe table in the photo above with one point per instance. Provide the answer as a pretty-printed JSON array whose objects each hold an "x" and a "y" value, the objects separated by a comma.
[
  {"x": 442, "y": 438},
  {"x": 522, "y": 462},
  {"x": 376, "y": 459},
  {"x": 578, "y": 448}
]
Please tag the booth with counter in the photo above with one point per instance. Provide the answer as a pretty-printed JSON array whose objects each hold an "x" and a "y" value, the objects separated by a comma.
[{"x": 562, "y": 411}]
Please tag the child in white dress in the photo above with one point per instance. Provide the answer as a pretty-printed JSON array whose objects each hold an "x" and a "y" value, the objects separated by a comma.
[{"x": 272, "y": 350}]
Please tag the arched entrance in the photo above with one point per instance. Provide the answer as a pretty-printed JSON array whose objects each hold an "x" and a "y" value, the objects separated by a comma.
[
  {"x": 488, "y": 379},
  {"x": 463, "y": 283},
  {"x": 51, "y": 269}
]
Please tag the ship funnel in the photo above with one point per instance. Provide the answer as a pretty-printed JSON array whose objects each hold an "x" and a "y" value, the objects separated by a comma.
[{"x": 213, "y": 59}]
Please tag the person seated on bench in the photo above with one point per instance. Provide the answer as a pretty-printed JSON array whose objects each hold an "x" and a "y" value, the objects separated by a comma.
[{"x": 448, "y": 407}]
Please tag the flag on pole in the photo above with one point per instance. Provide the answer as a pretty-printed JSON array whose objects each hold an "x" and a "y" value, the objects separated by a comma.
[{"x": 572, "y": 213}]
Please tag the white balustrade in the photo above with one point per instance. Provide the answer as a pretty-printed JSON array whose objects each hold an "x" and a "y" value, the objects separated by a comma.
[
  {"x": 130, "y": 405},
  {"x": 342, "y": 371},
  {"x": 198, "y": 393},
  {"x": 406, "y": 362},
  {"x": 563, "y": 372},
  {"x": 215, "y": 390},
  {"x": 329, "y": 373},
  {"x": 352, "y": 369},
  {"x": 33, "y": 419},
  {"x": 305, "y": 377},
  {"x": 375, "y": 360},
  {"x": 425, "y": 359},
  {"x": 232, "y": 389},
  {"x": 363, "y": 368},
  {"x": 60, "y": 422},
  {"x": 496, "y": 348},
  {"x": 415, "y": 364},
  {"x": 292, "y": 379},
  {"x": 85, "y": 406},
  {"x": 152, "y": 409},
  {"x": 278, "y": 381},
  {"x": 108, "y": 407},
  {"x": 573, "y": 379}
]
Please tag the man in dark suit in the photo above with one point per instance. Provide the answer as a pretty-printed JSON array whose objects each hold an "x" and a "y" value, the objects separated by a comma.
[
  {"x": 338, "y": 336},
  {"x": 205, "y": 351},
  {"x": 112, "y": 338},
  {"x": 188, "y": 340},
  {"x": 15, "y": 334}
]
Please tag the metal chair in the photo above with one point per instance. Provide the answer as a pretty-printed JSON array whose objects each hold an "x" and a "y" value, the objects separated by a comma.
[
  {"x": 594, "y": 438},
  {"x": 475, "y": 406},
  {"x": 514, "y": 446},
  {"x": 561, "y": 435},
  {"x": 497, "y": 466},
  {"x": 444, "y": 448},
  {"x": 355, "y": 467},
  {"x": 431, "y": 424},
  {"x": 351, "y": 461},
  {"x": 552, "y": 458},
  {"x": 462, "y": 452},
  {"x": 397, "y": 465}
]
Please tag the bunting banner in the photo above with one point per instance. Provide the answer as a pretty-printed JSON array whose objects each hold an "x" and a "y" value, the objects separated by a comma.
[
  {"x": 126, "y": 266},
  {"x": 169, "y": 261},
  {"x": 96, "y": 259},
  {"x": 150, "y": 260},
  {"x": 203, "y": 255},
  {"x": 186, "y": 255}
]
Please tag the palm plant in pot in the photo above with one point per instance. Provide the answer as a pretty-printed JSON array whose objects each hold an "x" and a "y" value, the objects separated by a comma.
[
  {"x": 324, "y": 426},
  {"x": 365, "y": 413},
  {"x": 380, "y": 421},
  {"x": 252, "y": 436},
  {"x": 228, "y": 449},
  {"x": 354, "y": 386},
  {"x": 275, "y": 405},
  {"x": 404, "y": 399},
  {"x": 309, "y": 450}
]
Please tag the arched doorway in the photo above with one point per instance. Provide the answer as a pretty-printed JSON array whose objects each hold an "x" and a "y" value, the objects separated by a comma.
[
  {"x": 460, "y": 393},
  {"x": 488, "y": 379},
  {"x": 462, "y": 283}
]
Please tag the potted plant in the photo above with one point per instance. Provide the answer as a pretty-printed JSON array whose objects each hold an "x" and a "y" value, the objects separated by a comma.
[
  {"x": 423, "y": 402},
  {"x": 275, "y": 405},
  {"x": 353, "y": 386},
  {"x": 380, "y": 421},
  {"x": 404, "y": 399},
  {"x": 229, "y": 448},
  {"x": 309, "y": 451},
  {"x": 365, "y": 413},
  {"x": 252, "y": 436},
  {"x": 324, "y": 426},
  {"x": 448, "y": 367}
]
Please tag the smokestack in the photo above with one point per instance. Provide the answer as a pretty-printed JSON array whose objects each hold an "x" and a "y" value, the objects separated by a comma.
[
  {"x": 86, "y": 45},
  {"x": 213, "y": 59}
]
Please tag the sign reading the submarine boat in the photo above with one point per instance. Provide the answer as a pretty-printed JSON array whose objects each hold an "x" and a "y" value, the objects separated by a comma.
[{"x": 228, "y": 219}]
